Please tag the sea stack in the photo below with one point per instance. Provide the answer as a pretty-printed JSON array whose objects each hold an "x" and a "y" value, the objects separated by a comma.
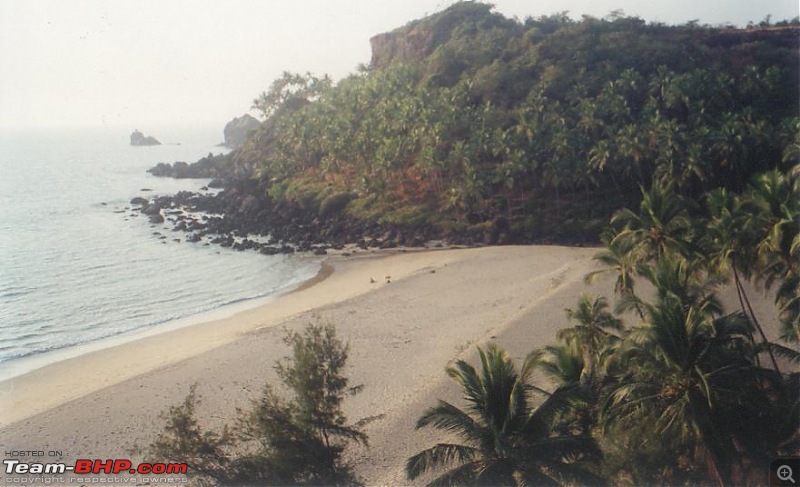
[
  {"x": 239, "y": 129},
  {"x": 138, "y": 138}
]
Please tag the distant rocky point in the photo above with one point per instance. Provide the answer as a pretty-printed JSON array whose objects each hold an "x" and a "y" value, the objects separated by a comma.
[
  {"x": 138, "y": 138},
  {"x": 211, "y": 166},
  {"x": 239, "y": 129}
]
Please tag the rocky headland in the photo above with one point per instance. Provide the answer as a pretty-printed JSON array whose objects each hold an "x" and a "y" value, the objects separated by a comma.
[
  {"x": 211, "y": 166},
  {"x": 243, "y": 216},
  {"x": 491, "y": 147}
]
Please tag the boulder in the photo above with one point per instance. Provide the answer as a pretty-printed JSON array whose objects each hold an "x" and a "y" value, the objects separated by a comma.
[{"x": 239, "y": 129}]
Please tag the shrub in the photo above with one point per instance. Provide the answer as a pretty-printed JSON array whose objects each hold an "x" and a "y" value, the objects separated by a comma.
[
  {"x": 335, "y": 203},
  {"x": 298, "y": 441}
]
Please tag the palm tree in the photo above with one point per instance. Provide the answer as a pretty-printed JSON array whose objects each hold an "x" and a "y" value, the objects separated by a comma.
[
  {"x": 774, "y": 202},
  {"x": 565, "y": 366},
  {"x": 661, "y": 227},
  {"x": 622, "y": 258},
  {"x": 684, "y": 373},
  {"x": 670, "y": 391},
  {"x": 506, "y": 440},
  {"x": 729, "y": 245},
  {"x": 592, "y": 331}
]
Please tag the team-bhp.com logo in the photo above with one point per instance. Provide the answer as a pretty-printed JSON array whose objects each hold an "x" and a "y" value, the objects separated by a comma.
[{"x": 96, "y": 466}]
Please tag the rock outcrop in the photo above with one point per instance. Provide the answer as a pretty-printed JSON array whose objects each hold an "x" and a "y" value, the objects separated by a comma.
[
  {"x": 139, "y": 139},
  {"x": 244, "y": 217},
  {"x": 400, "y": 47},
  {"x": 239, "y": 129},
  {"x": 211, "y": 166},
  {"x": 418, "y": 39}
]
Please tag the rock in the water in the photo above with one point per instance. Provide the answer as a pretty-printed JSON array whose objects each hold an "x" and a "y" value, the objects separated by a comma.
[
  {"x": 211, "y": 166},
  {"x": 138, "y": 138},
  {"x": 239, "y": 129},
  {"x": 216, "y": 183}
]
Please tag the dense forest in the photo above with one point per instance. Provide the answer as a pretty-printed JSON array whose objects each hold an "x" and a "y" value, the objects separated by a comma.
[{"x": 469, "y": 123}]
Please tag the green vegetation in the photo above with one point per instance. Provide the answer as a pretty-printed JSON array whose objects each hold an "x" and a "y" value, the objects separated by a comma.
[
  {"x": 299, "y": 442},
  {"x": 508, "y": 441},
  {"x": 691, "y": 394},
  {"x": 469, "y": 123},
  {"x": 528, "y": 130},
  {"x": 687, "y": 394}
]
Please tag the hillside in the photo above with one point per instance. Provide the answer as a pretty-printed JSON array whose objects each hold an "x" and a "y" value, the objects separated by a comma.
[{"x": 474, "y": 127}]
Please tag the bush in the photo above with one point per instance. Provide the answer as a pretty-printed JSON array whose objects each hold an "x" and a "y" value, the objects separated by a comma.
[
  {"x": 299, "y": 441},
  {"x": 335, "y": 203},
  {"x": 407, "y": 216},
  {"x": 184, "y": 441}
]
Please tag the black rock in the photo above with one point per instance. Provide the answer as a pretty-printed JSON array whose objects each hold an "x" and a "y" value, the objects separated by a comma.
[
  {"x": 270, "y": 250},
  {"x": 151, "y": 209}
]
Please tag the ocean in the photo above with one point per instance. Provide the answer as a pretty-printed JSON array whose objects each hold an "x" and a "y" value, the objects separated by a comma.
[{"x": 78, "y": 269}]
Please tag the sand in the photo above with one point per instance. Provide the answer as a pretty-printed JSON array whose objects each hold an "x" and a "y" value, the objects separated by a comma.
[{"x": 406, "y": 315}]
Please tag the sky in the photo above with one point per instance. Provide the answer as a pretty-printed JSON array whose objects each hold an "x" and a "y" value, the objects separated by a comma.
[{"x": 152, "y": 63}]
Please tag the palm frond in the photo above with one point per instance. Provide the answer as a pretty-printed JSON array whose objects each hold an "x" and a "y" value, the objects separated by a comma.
[
  {"x": 784, "y": 352},
  {"x": 463, "y": 475},
  {"x": 564, "y": 449},
  {"x": 447, "y": 417},
  {"x": 439, "y": 455}
]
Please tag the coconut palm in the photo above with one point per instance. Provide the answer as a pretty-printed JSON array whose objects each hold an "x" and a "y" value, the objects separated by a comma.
[
  {"x": 506, "y": 440},
  {"x": 774, "y": 202},
  {"x": 671, "y": 390},
  {"x": 729, "y": 245},
  {"x": 621, "y": 258},
  {"x": 593, "y": 330},
  {"x": 565, "y": 367},
  {"x": 685, "y": 373},
  {"x": 562, "y": 364},
  {"x": 661, "y": 227}
]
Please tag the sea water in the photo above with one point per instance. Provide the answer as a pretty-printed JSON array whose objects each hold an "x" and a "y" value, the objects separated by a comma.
[{"x": 78, "y": 265}]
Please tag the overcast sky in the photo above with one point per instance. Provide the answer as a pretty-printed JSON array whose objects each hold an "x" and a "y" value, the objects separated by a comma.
[{"x": 148, "y": 63}]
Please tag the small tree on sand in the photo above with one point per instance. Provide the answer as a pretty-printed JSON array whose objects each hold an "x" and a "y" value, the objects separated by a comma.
[{"x": 297, "y": 441}]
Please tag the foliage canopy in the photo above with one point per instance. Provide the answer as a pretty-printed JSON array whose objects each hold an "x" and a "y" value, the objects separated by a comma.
[{"x": 466, "y": 118}]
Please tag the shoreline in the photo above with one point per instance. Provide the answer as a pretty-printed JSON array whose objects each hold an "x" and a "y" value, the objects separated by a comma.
[
  {"x": 46, "y": 382},
  {"x": 23, "y": 365},
  {"x": 405, "y": 316}
]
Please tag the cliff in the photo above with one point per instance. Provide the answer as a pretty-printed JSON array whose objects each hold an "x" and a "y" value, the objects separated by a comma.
[{"x": 420, "y": 38}]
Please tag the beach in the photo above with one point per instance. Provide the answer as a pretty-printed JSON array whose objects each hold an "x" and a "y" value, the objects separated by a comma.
[{"x": 405, "y": 315}]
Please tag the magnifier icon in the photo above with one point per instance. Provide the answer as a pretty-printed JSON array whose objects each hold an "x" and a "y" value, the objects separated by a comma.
[{"x": 785, "y": 473}]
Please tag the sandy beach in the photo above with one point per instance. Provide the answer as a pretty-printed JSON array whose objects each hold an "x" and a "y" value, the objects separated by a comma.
[{"x": 404, "y": 314}]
